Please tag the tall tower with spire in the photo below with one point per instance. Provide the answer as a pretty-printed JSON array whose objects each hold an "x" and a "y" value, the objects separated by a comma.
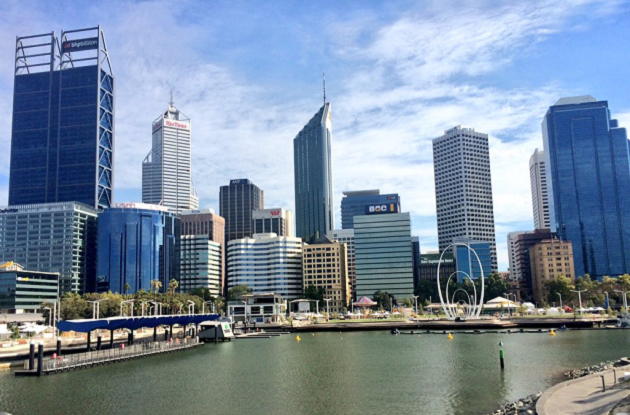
[
  {"x": 312, "y": 158},
  {"x": 166, "y": 170}
]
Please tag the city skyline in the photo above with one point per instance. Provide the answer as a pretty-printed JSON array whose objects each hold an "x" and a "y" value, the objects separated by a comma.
[{"x": 377, "y": 144}]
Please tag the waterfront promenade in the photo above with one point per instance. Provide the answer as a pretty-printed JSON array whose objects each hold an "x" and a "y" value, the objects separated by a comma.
[{"x": 583, "y": 395}]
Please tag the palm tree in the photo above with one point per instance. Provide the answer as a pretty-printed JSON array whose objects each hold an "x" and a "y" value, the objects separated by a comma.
[
  {"x": 127, "y": 287},
  {"x": 172, "y": 286},
  {"x": 155, "y": 286}
]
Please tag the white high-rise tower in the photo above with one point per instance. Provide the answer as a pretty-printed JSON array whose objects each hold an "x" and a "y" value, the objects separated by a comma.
[
  {"x": 540, "y": 191},
  {"x": 463, "y": 188},
  {"x": 166, "y": 171}
]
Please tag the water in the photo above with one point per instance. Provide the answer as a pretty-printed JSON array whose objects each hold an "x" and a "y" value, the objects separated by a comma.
[{"x": 329, "y": 373}]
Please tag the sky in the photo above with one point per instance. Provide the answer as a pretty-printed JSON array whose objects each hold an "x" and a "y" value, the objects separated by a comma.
[{"x": 249, "y": 76}]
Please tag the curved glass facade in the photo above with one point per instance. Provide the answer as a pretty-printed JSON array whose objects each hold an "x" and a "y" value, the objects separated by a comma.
[{"x": 136, "y": 246}]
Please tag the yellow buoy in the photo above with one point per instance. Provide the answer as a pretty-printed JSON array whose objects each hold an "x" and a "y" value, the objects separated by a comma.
[
  {"x": 313, "y": 334},
  {"x": 450, "y": 336},
  {"x": 298, "y": 338},
  {"x": 552, "y": 333}
]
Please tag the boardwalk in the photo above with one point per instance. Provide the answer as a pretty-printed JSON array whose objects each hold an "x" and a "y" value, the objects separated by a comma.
[
  {"x": 583, "y": 395},
  {"x": 105, "y": 357}
]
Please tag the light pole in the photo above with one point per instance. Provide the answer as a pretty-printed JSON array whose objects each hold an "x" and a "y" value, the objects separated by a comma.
[
  {"x": 158, "y": 308},
  {"x": 327, "y": 307},
  {"x": 144, "y": 306},
  {"x": 607, "y": 301},
  {"x": 415, "y": 299},
  {"x": 245, "y": 309},
  {"x": 203, "y": 306},
  {"x": 579, "y": 297},
  {"x": 317, "y": 307},
  {"x": 509, "y": 308},
  {"x": 49, "y": 316},
  {"x": 191, "y": 304},
  {"x": 625, "y": 299},
  {"x": 122, "y": 303},
  {"x": 560, "y": 295},
  {"x": 96, "y": 308}
]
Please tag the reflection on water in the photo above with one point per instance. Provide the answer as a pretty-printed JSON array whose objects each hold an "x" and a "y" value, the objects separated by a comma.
[{"x": 349, "y": 373}]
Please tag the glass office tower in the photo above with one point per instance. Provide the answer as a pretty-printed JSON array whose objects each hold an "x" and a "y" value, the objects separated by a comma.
[
  {"x": 52, "y": 237},
  {"x": 62, "y": 139},
  {"x": 383, "y": 254},
  {"x": 137, "y": 243},
  {"x": 314, "y": 214},
  {"x": 354, "y": 202},
  {"x": 590, "y": 172}
]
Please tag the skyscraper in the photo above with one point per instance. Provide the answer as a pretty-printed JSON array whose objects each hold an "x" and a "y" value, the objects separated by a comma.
[
  {"x": 463, "y": 188},
  {"x": 203, "y": 251},
  {"x": 383, "y": 251},
  {"x": 346, "y": 236},
  {"x": 166, "y": 171},
  {"x": 312, "y": 160},
  {"x": 590, "y": 172},
  {"x": 52, "y": 237},
  {"x": 237, "y": 201},
  {"x": 266, "y": 263},
  {"x": 539, "y": 180},
  {"x": 277, "y": 220},
  {"x": 62, "y": 138},
  {"x": 354, "y": 202},
  {"x": 137, "y": 243}
]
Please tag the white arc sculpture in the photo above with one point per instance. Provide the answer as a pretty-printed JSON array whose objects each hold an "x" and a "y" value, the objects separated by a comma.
[{"x": 474, "y": 304}]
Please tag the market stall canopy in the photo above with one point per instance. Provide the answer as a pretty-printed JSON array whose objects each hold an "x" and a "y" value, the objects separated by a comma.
[{"x": 365, "y": 302}]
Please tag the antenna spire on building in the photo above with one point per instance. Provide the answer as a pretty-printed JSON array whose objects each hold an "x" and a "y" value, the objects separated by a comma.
[
  {"x": 324, "y": 76},
  {"x": 171, "y": 103}
]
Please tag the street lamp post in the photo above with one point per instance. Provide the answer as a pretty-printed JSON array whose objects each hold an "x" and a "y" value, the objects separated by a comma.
[
  {"x": 122, "y": 303},
  {"x": 245, "y": 310},
  {"x": 415, "y": 299},
  {"x": 203, "y": 306},
  {"x": 579, "y": 297},
  {"x": 191, "y": 305},
  {"x": 625, "y": 299},
  {"x": 327, "y": 307},
  {"x": 560, "y": 295},
  {"x": 509, "y": 308},
  {"x": 317, "y": 307},
  {"x": 96, "y": 308}
]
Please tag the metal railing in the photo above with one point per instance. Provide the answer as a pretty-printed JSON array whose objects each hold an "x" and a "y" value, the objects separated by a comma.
[{"x": 92, "y": 358}]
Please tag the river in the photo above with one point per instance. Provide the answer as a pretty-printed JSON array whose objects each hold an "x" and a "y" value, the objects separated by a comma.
[{"x": 328, "y": 373}]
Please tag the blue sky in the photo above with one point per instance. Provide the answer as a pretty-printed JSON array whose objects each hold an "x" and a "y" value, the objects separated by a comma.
[{"x": 248, "y": 74}]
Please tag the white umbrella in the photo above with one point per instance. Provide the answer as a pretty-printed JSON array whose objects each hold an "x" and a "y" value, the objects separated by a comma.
[
  {"x": 599, "y": 309},
  {"x": 396, "y": 313},
  {"x": 4, "y": 330}
]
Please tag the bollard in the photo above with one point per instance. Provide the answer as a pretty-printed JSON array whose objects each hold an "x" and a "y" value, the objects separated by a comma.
[
  {"x": 502, "y": 359},
  {"x": 165, "y": 334},
  {"x": 129, "y": 339},
  {"x": 111, "y": 339},
  {"x": 216, "y": 333},
  {"x": 31, "y": 357},
  {"x": 99, "y": 340},
  {"x": 58, "y": 347},
  {"x": 40, "y": 359},
  {"x": 89, "y": 340},
  {"x": 603, "y": 383},
  {"x": 155, "y": 333},
  {"x": 615, "y": 373}
]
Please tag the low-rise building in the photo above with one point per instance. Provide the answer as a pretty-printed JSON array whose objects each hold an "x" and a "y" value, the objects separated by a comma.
[
  {"x": 277, "y": 220},
  {"x": 325, "y": 265},
  {"x": 258, "y": 308},
  {"x": 24, "y": 291},
  {"x": 428, "y": 268},
  {"x": 549, "y": 259}
]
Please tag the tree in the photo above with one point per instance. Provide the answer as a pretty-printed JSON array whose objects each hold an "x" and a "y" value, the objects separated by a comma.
[
  {"x": 426, "y": 291},
  {"x": 561, "y": 285},
  {"x": 407, "y": 302},
  {"x": 155, "y": 286},
  {"x": 74, "y": 307},
  {"x": 495, "y": 286},
  {"x": 237, "y": 291},
  {"x": 314, "y": 293},
  {"x": 15, "y": 332},
  {"x": 127, "y": 287},
  {"x": 203, "y": 292},
  {"x": 383, "y": 299}
]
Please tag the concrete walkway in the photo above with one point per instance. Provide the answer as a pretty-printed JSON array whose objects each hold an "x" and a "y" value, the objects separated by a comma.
[{"x": 583, "y": 395}]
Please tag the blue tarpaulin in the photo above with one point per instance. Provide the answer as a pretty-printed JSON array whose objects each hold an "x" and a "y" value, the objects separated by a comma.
[{"x": 133, "y": 323}]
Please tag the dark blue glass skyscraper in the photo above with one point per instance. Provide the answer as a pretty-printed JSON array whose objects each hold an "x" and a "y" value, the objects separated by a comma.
[
  {"x": 314, "y": 214},
  {"x": 354, "y": 203},
  {"x": 137, "y": 243},
  {"x": 590, "y": 172},
  {"x": 62, "y": 138}
]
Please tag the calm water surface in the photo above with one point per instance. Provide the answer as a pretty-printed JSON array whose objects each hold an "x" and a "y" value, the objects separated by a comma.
[{"x": 329, "y": 373}]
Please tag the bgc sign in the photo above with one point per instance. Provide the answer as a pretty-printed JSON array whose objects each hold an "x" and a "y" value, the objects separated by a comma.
[
  {"x": 80, "y": 44},
  {"x": 386, "y": 208}
]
